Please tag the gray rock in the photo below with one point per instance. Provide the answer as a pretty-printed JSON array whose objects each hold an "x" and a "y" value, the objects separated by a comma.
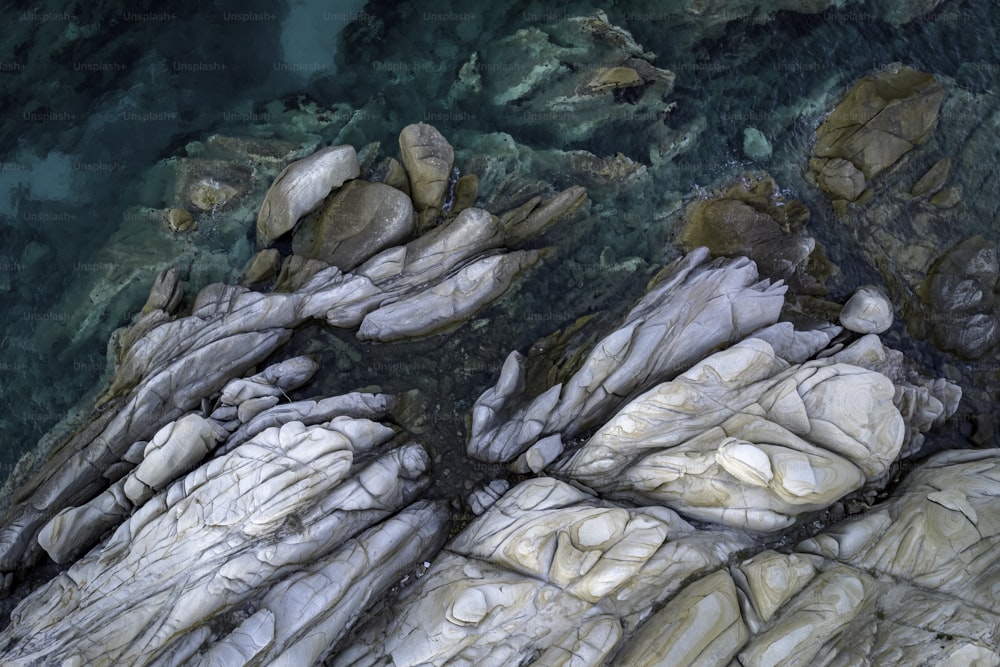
[{"x": 300, "y": 187}]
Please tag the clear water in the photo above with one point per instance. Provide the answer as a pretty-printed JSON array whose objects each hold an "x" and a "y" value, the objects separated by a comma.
[{"x": 95, "y": 96}]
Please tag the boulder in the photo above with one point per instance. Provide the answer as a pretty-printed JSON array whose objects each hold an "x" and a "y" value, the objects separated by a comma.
[
  {"x": 428, "y": 159},
  {"x": 867, "y": 311},
  {"x": 962, "y": 295},
  {"x": 751, "y": 217},
  {"x": 301, "y": 187},
  {"x": 358, "y": 221},
  {"x": 882, "y": 117}
]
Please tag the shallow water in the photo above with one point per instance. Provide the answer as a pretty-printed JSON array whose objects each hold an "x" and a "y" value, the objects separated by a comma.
[{"x": 97, "y": 100}]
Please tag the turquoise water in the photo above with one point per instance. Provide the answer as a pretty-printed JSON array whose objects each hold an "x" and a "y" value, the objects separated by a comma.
[{"x": 96, "y": 96}]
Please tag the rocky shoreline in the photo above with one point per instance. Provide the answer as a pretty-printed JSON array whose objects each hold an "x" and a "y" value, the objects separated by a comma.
[{"x": 710, "y": 476}]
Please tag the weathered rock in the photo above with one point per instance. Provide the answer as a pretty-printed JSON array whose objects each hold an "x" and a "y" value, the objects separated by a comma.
[
  {"x": 124, "y": 603},
  {"x": 505, "y": 421},
  {"x": 210, "y": 186},
  {"x": 947, "y": 198},
  {"x": 428, "y": 159},
  {"x": 880, "y": 119},
  {"x": 744, "y": 440},
  {"x": 751, "y": 217},
  {"x": 867, "y": 311},
  {"x": 547, "y": 570},
  {"x": 300, "y": 187},
  {"x": 166, "y": 293},
  {"x": 263, "y": 266},
  {"x": 358, "y": 221},
  {"x": 933, "y": 179},
  {"x": 178, "y": 220},
  {"x": 961, "y": 294}
]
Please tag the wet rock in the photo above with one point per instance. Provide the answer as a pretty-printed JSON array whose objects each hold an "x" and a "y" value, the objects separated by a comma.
[
  {"x": 867, "y": 311},
  {"x": 573, "y": 102},
  {"x": 751, "y": 217},
  {"x": 506, "y": 421},
  {"x": 881, "y": 118},
  {"x": 300, "y": 187},
  {"x": 428, "y": 159},
  {"x": 263, "y": 266},
  {"x": 933, "y": 179},
  {"x": 210, "y": 186},
  {"x": 947, "y": 198},
  {"x": 178, "y": 220},
  {"x": 358, "y": 221},
  {"x": 755, "y": 144},
  {"x": 961, "y": 294}
]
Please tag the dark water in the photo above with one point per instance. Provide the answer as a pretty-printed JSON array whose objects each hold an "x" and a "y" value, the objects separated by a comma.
[{"x": 94, "y": 96}]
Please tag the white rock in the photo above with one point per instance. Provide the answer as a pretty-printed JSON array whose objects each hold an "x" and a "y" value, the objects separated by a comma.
[{"x": 868, "y": 311}]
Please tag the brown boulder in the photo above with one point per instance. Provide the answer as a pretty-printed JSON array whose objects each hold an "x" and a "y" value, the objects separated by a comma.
[
  {"x": 428, "y": 159},
  {"x": 354, "y": 223},
  {"x": 880, "y": 119}
]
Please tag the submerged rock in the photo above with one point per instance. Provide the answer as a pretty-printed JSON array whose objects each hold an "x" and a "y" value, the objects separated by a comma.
[
  {"x": 751, "y": 217},
  {"x": 962, "y": 296},
  {"x": 881, "y": 117}
]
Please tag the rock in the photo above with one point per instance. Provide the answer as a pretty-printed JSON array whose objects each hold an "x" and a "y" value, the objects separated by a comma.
[
  {"x": 466, "y": 190},
  {"x": 263, "y": 266},
  {"x": 709, "y": 610},
  {"x": 608, "y": 78},
  {"x": 358, "y": 221},
  {"x": 880, "y": 119},
  {"x": 124, "y": 603},
  {"x": 947, "y": 198},
  {"x": 750, "y": 217},
  {"x": 483, "y": 498},
  {"x": 166, "y": 292},
  {"x": 450, "y": 303},
  {"x": 300, "y": 187},
  {"x": 210, "y": 186},
  {"x": 178, "y": 220},
  {"x": 755, "y": 144},
  {"x": 933, "y": 179},
  {"x": 867, "y": 311},
  {"x": 961, "y": 294},
  {"x": 547, "y": 93},
  {"x": 428, "y": 159},
  {"x": 505, "y": 421},
  {"x": 747, "y": 452}
]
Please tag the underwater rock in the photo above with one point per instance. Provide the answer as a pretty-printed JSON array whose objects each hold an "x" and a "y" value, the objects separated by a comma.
[
  {"x": 933, "y": 178},
  {"x": 178, "y": 220},
  {"x": 358, "y": 221},
  {"x": 882, "y": 117},
  {"x": 867, "y": 311},
  {"x": 751, "y": 217},
  {"x": 300, "y": 187},
  {"x": 961, "y": 294},
  {"x": 755, "y": 144},
  {"x": 263, "y": 266},
  {"x": 210, "y": 186},
  {"x": 547, "y": 88}
]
